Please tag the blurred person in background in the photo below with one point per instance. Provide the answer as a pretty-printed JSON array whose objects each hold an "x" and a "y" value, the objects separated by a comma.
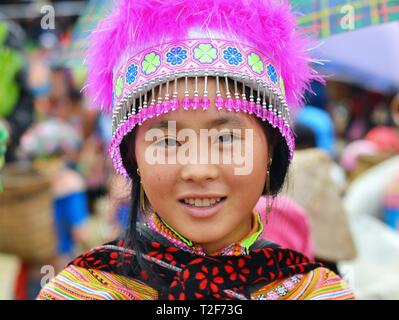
[
  {"x": 315, "y": 129},
  {"x": 360, "y": 107},
  {"x": 16, "y": 102},
  {"x": 386, "y": 139},
  {"x": 314, "y": 115},
  {"x": 67, "y": 103},
  {"x": 391, "y": 194},
  {"x": 353, "y": 155},
  {"x": 318, "y": 184},
  {"x": 374, "y": 191},
  {"x": 53, "y": 145}
]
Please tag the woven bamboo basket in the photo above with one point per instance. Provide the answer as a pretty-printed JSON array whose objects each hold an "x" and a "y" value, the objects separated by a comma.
[{"x": 26, "y": 217}]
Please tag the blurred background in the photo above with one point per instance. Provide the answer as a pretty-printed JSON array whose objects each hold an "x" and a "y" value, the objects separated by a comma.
[{"x": 59, "y": 195}]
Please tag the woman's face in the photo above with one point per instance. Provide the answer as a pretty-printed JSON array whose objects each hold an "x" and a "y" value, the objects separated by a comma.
[{"x": 183, "y": 178}]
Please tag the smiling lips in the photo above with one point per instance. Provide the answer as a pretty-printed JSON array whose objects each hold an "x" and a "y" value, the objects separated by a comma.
[
  {"x": 202, "y": 207},
  {"x": 205, "y": 202}
]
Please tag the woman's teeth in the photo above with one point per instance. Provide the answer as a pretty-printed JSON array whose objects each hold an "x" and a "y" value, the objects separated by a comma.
[{"x": 202, "y": 202}]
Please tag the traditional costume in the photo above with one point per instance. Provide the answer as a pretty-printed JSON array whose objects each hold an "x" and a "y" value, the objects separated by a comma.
[{"x": 250, "y": 269}]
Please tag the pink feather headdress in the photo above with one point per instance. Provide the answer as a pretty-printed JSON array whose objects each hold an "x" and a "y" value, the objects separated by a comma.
[{"x": 146, "y": 44}]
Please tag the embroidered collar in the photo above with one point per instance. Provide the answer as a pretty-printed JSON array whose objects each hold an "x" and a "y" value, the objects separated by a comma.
[
  {"x": 156, "y": 224},
  {"x": 183, "y": 275}
]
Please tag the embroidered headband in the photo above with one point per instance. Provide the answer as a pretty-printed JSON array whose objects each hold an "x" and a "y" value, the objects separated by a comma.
[{"x": 271, "y": 66}]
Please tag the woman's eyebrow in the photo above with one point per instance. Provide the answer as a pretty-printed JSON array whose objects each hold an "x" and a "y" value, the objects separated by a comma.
[
  {"x": 233, "y": 122},
  {"x": 162, "y": 124},
  {"x": 227, "y": 120}
]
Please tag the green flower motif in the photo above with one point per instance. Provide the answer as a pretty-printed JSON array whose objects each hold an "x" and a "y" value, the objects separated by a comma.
[
  {"x": 151, "y": 63},
  {"x": 205, "y": 53},
  {"x": 256, "y": 63},
  {"x": 282, "y": 86},
  {"x": 119, "y": 86}
]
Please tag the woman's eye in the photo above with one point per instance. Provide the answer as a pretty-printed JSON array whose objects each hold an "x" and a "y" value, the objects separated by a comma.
[
  {"x": 168, "y": 142},
  {"x": 227, "y": 137}
]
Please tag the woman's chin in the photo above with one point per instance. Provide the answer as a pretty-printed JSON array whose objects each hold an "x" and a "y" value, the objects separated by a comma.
[{"x": 202, "y": 235}]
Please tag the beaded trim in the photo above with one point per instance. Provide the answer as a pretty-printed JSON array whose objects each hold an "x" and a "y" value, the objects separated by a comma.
[
  {"x": 281, "y": 290},
  {"x": 155, "y": 223}
]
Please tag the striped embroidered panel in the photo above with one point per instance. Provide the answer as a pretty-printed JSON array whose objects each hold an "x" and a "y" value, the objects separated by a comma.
[{"x": 75, "y": 283}]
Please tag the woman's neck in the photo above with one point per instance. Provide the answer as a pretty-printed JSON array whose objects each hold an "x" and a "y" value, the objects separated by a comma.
[
  {"x": 234, "y": 237},
  {"x": 244, "y": 236}
]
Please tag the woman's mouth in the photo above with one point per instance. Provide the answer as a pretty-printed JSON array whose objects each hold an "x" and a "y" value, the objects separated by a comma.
[{"x": 202, "y": 207}]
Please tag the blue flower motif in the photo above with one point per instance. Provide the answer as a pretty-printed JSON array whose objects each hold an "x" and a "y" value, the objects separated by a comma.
[
  {"x": 271, "y": 71},
  {"x": 232, "y": 56},
  {"x": 131, "y": 74},
  {"x": 176, "y": 56}
]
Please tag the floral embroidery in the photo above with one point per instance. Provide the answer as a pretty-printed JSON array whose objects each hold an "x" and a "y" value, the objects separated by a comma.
[
  {"x": 131, "y": 74},
  {"x": 119, "y": 86},
  {"x": 272, "y": 296},
  {"x": 271, "y": 71},
  {"x": 168, "y": 255},
  {"x": 151, "y": 62},
  {"x": 205, "y": 53},
  {"x": 207, "y": 281},
  {"x": 255, "y": 62},
  {"x": 282, "y": 291},
  {"x": 176, "y": 56},
  {"x": 288, "y": 284},
  {"x": 233, "y": 274},
  {"x": 233, "y": 56}
]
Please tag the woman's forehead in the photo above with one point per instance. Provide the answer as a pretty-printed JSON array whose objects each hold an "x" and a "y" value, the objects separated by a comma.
[{"x": 200, "y": 119}]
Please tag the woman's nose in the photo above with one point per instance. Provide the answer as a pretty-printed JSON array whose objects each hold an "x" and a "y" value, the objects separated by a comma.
[{"x": 199, "y": 172}]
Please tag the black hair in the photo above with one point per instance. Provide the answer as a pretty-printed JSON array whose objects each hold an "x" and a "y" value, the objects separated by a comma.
[
  {"x": 305, "y": 137},
  {"x": 278, "y": 172}
]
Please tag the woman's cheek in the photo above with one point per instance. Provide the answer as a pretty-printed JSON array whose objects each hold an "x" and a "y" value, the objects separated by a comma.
[{"x": 160, "y": 182}]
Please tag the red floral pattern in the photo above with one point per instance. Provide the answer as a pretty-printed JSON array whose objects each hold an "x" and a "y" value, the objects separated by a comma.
[{"x": 200, "y": 277}]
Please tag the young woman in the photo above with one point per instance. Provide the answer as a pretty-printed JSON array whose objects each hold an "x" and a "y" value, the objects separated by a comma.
[{"x": 201, "y": 128}]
